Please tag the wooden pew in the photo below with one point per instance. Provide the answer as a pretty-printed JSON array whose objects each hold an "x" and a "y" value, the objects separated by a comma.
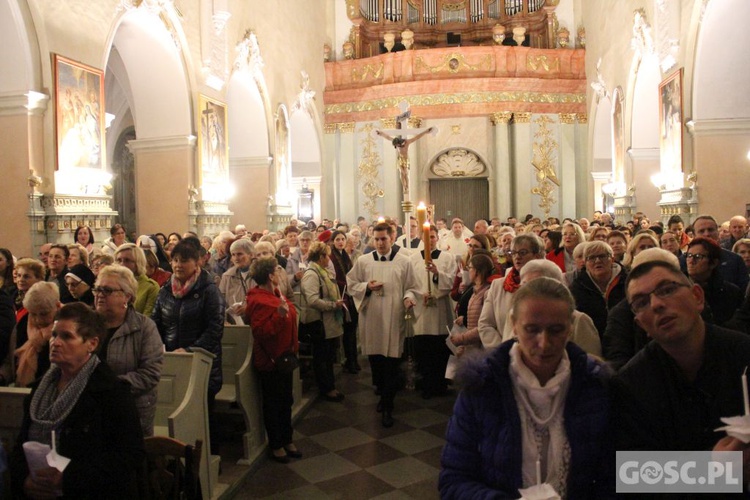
[
  {"x": 11, "y": 414},
  {"x": 241, "y": 386},
  {"x": 182, "y": 409}
]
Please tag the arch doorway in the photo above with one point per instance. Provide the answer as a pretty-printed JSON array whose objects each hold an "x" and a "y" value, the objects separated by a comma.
[
  {"x": 123, "y": 183},
  {"x": 459, "y": 186}
]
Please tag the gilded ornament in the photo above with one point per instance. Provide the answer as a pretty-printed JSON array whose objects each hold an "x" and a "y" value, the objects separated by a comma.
[
  {"x": 533, "y": 63},
  {"x": 583, "y": 118},
  {"x": 568, "y": 118},
  {"x": 455, "y": 129},
  {"x": 522, "y": 117},
  {"x": 363, "y": 72},
  {"x": 457, "y": 98},
  {"x": 351, "y": 9},
  {"x": 500, "y": 117},
  {"x": 388, "y": 122},
  {"x": 454, "y": 63},
  {"x": 368, "y": 170},
  {"x": 544, "y": 161},
  {"x": 452, "y": 7},
  {"x": 330, "y": 128},
  {"x": 414, "y": 122},
  {"x": 347, "y": 128}
]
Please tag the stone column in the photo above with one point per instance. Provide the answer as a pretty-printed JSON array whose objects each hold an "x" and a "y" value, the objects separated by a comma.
[
  {"x": 501, "y": 201},
  {"x": 584, "y": 201},
  {"x": 341, "y": 195},
  {"x": 567, "y": 165},
  {"x": 391, "y": 181},
  {"x": 22, "y": 146},
  {"x": 164, "y": 172},
  {"x": 523, "y": 202}
]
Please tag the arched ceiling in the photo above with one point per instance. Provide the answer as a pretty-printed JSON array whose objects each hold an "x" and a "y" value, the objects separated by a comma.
[
  {"x": 19, "y": 55},
  {"x": 149, "y": 69},
  {"x": 248, "y": 136}
]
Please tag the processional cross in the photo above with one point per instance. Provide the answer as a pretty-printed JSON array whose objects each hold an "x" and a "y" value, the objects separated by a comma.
[{"x": 398, "y": 138}]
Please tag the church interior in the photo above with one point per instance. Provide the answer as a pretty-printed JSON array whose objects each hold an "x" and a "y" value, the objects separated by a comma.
[
  {"x": 175, "y": 115},
  {"x": 200, "y": 115}
]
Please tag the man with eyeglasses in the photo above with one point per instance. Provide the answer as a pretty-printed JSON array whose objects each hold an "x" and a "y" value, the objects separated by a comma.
[
  {"x": 672, "y": 394},
  {"x": 731, "y": 266}
]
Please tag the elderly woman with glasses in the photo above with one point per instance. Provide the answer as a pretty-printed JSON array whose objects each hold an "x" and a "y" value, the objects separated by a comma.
[
  {"x": 133, "y": 257},
  {"x": 525, "y": 248},
  {"x": 236, "y": 282},
  {"x": 703, "y": 257},
  {"x": 132, "y": 346},
  {"x": 572, "y": 235},
  {"x": 600, "y": 286}
]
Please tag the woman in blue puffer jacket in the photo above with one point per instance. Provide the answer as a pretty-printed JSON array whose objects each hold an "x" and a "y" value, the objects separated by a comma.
[{"x": 535, "y": 410}]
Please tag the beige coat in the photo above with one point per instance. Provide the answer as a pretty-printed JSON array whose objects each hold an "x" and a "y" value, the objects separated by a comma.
[{"x": 317, "y": 304}]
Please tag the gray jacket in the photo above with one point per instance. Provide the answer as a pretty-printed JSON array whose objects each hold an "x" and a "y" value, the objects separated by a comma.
[{"x": 136, "y": 353}]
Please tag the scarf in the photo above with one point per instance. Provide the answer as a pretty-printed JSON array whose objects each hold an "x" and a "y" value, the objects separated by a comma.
[
  {"x": 331, "y": 288},
  {"x": 28, "y": 354},
  {"x": 179, "y": 291},
  {"x": 512, "y": 280},
  {"x": 541, "y": 412},
  {"x": 48, "y": 409}
]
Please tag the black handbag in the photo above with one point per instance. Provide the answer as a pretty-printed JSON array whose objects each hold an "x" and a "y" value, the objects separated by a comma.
[
  {"x": 286, "y": 363},
  {"x": 312, "y": 332}
]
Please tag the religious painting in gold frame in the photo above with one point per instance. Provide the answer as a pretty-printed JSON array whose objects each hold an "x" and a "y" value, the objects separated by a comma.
[
  {"x": 670, "y": 122},
  {"x": 79, "y": 114},
  {"x": 213, "y": 141}
]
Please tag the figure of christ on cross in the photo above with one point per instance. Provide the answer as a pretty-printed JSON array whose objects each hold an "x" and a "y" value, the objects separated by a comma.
[{"x": 402, "y": 147}]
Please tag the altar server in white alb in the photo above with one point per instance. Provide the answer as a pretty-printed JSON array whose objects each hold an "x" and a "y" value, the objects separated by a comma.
[
  {"x": 383, "y": 285},
  {"x": 433, "y": 313}
]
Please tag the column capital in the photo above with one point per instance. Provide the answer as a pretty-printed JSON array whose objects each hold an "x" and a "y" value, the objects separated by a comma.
[
  {"x": 583, "y": 118},
  {"x": 347, "y": 128},
  {"x": 501, "y": 117},
  {"x": 522, "y": 117},
  {"x": 414, "y": 122},
  {"x": 330, "y": 128},
  {"x": 388, "y": 123}
]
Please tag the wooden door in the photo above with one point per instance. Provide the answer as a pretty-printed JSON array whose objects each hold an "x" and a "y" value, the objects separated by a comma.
[{"x": 468, "y": 199}]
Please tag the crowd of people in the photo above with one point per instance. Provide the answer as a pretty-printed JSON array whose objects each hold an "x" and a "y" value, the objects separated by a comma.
[{"x": 566, "y": 335}]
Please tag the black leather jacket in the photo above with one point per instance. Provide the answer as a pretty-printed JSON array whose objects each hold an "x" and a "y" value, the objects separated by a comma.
[{"x": 196, "y": 320}]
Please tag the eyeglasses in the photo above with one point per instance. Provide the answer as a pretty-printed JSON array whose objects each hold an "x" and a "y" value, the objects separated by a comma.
[
  {"x": 519, "y": 253},
  {"x": 641, "y": 301},
  {"x": 475, "y": 247},
  {"x": 105, "y": 290},
  {"x": 602, "y": 257},
  {"x": 697, "y": 256}
]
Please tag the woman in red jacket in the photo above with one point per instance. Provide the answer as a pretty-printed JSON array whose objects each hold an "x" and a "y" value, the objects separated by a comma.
[{"x": 274, "y": 322}]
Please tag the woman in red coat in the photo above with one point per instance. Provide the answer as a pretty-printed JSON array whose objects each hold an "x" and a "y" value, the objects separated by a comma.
[{"x": 274, "y": 322}]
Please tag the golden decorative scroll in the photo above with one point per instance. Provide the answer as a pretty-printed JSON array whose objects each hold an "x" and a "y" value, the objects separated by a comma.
[
  {"x": 368, "y": 170},
  {"x": 522, "y": 117},
  {"x": 533, "y": 63},
  {"x": 544, "y": 161},
  {"x": 567, "y": 118},
  {"x": 583, "y": 118},
  {"x": 453, "y": 63},
  {"x": 500, "y": 117},
  {"x": 457, "y": 98},
  {"x": 347, "y": 128},
  {"x": 362, "y": 73}
]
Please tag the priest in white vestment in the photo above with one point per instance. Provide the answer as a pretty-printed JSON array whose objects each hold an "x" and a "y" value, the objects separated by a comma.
[
  {"x": 457, "y": 240},
  {"x": 433, "y": 313},
  {"x": 382, "y": 283}
]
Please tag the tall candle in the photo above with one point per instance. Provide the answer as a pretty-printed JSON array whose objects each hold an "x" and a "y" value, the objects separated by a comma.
[
  {"x": 538, "y": 471},
  {"x": 381, "y": 220},
  {"x": 744, "y": 392},
  {"x": 426, "y": 240},
  {"x": 421, "y": 213}
]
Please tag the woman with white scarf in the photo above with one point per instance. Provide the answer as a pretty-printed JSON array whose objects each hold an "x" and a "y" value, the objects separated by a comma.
[{"x": 534, "y": 413}]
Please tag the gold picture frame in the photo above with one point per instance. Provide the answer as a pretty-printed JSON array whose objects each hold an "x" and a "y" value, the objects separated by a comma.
[
  {"x": 670, "y": 122},
  {"x": 213, "y": 141},
  {"x": 79, "y": 114}
]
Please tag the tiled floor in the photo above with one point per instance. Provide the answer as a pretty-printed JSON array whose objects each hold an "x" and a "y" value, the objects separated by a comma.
[{"x": 349, "y": 455}]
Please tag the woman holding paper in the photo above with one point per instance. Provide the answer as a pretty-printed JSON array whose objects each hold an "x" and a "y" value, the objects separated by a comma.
[
  {"x": 91, "y": 412},
  {"x": 534, "y": 414}
]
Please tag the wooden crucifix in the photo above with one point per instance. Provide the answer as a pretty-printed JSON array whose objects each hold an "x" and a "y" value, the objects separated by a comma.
[{"x": 398, "y": 138}]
